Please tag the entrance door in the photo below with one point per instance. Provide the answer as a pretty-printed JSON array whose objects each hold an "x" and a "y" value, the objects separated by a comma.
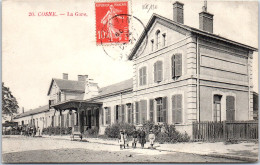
[{"x": 217, "y": 107}]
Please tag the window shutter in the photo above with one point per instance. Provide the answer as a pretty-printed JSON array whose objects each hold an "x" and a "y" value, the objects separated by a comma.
[
  {"x": 155, "y": 72},
  {"x": 178, "y": 65},
  {"x": 174, "y": 109},
  {"x": 140, "y": 111},
  {"x": 230, "y": 108},
  {"x": 109, "y": 115},
  {"x": 144, "y": 76},
  {"x": 140, "y": 77},
  {"x": 151, "y": 109},
  {"x": 179, "y": 108},
  {"x": 143, "y": 111},
  {"x": 132, "y": 113},
  {"x": 119, "y": 113},
  {"x": 123, "y": 113},
  {"x": 173, "y": 66},
  {"x": 115, "y": 114},
  {"x": 137, "y": 112},
  {"x": 159, "y": 70},
  {"x": 165, "y": 111}
]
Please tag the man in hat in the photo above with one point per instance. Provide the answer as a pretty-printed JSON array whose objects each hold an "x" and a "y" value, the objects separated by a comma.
[
  {"x": 135, "y": 134},
  {"x": 142, "y": 137}
]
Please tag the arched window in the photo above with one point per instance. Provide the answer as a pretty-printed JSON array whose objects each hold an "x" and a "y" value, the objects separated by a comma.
[
  {"x": 158, "y": 40},
  {"x": 152, "y": 45},
  {"x": 164, "y": 39}
]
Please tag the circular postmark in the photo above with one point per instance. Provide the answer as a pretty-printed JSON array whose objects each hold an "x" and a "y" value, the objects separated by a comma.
[{"x": 119, "y": 41}]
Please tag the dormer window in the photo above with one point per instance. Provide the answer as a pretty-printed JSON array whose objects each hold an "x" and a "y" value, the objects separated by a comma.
[
  {"x": 158, "y": 40},
  {"x": 164, "y": 39},
  {"x": 152, "y": 45}
]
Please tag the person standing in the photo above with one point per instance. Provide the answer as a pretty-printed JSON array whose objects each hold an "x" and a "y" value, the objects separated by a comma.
[
  {"x": 151, "y": 138},
  {"x": 142, "y": 137},
  {"x": 121, "y": 139},
  {"x": 135, "y": 135}
]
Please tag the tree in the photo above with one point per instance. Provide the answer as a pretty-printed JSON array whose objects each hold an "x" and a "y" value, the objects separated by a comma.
[{"x": 9, "y": 102}]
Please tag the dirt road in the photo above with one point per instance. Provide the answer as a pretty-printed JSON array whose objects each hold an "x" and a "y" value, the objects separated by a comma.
[{"x": 46, "y": 150}]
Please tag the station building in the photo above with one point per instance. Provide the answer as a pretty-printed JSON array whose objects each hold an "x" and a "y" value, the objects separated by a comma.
[{"x": 181, "y": 75}]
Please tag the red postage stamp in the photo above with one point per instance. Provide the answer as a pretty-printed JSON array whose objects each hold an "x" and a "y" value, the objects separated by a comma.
[{"x": 112, "y": 24}]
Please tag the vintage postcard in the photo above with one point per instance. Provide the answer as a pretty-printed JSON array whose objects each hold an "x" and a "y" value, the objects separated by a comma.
[{"x": 128, "y": 81}]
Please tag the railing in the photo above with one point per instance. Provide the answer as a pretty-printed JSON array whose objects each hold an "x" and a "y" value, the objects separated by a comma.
[{"x": 227, "y": 130}]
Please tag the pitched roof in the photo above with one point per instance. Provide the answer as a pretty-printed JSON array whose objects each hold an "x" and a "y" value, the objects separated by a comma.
[
  {"x": 68, "y": 85},
  {"x": 33, "y": 111},
  {"x": 116, "y": 88},
  {"x": 189, "y": 28}
]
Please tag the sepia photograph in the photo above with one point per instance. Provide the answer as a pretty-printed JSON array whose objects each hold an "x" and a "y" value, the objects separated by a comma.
[{"x": 128, "y": 81}]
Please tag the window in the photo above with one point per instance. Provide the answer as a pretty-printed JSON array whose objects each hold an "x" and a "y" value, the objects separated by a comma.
[
  {"x": 116, "y": 114},
  {"x": 158, "y": 71},
  {"x": 143, "y": 109},
  {"x": 158, "y": 40},
  {"x": 159, "y": 109},
  {"x": 152, "y": 45},
  {"x": 217, "y": 107},
  {"x": 142, "y": 76},
  {"x": 177, "y": 109},
  {"x": 123, "y": 113},
  {"x": 176, "y": 65},
  {"x": 108, "y": 115},
  {"x": 230, "y": 108},
  {"x": 130, "y": 113},
  {"x": 137, "y": 113},
  {"x": 164, "y": 39},
  {"x": 151, "y": 109},
  {"x": 59, "y": 96}
]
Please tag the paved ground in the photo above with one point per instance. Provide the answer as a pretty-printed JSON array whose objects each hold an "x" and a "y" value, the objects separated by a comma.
[{"x": 17, "y": 149}]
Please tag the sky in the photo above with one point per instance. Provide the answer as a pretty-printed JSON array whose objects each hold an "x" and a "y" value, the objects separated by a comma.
[{"x": 37, "y": 49}]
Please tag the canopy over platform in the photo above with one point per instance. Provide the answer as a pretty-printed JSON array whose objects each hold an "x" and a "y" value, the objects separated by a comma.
[
  {"x": 87, "y": 114},
  {"x": 76, "y": 105}
]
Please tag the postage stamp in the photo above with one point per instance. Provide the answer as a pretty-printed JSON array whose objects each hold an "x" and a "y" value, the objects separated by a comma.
[{"x": 112, "y": 25}]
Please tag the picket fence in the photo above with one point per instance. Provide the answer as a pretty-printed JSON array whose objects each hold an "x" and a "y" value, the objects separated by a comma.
[{"x": 225, "y": 130}]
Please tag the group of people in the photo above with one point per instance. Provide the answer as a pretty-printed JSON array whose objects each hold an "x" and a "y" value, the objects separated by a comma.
[
  {"x": 136, "y": 136},
  {"x": 29, "y": 130}
]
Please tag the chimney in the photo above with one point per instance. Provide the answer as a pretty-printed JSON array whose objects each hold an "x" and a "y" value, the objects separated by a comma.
[
  {"x": 206, "y": 19},
  {"x": 82, "y": 77},
  {"x": 65, "y": 76},
  {"x": 178, "y": 12},
  {"x": 22, "y": 109}
]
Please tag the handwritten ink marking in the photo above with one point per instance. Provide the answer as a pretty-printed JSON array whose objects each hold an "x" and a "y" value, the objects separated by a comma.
[{"x": 149, "y": 7}]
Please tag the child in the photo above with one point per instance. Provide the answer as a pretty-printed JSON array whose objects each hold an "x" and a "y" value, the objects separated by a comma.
[
  {"x": 135, "y": 134},
  {"x": 121, "y": 140},
  {"x": 151, "y": 138}
]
